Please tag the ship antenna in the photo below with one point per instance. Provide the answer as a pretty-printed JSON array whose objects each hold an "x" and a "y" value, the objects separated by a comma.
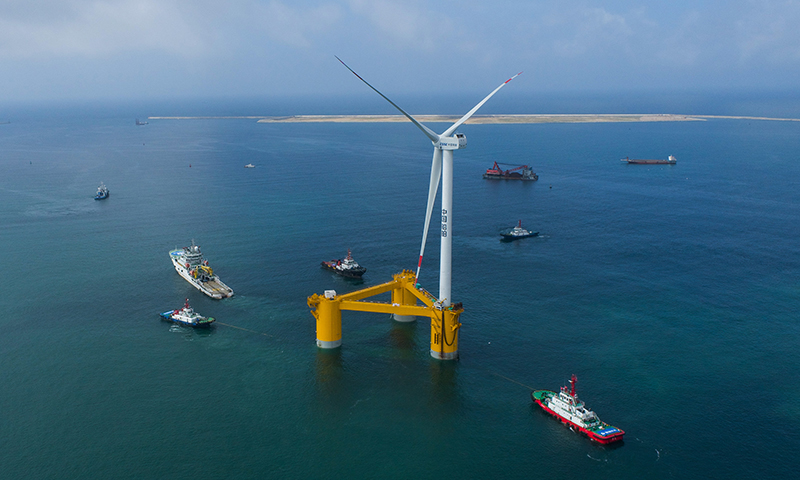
[{"x": 573, "y": 381}]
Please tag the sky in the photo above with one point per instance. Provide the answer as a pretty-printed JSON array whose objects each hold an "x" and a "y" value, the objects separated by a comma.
[{"x": 140, "y": 49}]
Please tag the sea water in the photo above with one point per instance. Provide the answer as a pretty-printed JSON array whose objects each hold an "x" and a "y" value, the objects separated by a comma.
[{"x": 671, "y": 291}]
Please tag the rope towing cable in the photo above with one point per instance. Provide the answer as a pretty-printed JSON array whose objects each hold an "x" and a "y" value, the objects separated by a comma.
[{"x": 246, "y": 329}]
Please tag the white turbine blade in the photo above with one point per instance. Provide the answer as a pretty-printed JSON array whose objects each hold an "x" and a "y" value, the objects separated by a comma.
[
  {"x": 436, "y": 173},
  {"x": 463, "y": 119},
  {"x": 427, "y": 131}
]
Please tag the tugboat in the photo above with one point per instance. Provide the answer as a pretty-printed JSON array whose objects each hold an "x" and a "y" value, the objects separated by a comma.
[
  {"x": 566, "y": 407},
  {"x": 187, "y": 316},
  {"x": 346, "y": 267},
  {"x": 517, "y": 232},
  {"x": 102, "y": 192},
  {"x": 190, "y": 265}
]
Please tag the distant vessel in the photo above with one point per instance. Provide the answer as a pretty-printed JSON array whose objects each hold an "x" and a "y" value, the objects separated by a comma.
[
  {"x": 140, "y": 123},
  {"x": 520, "y": 172},
  {"x": 249, "y": 165},
  {"x": 346, "y": 267},
  {"x": 566, "y": 407},
  {"x": 517, "y": 233},
  {"x": 187, "y": 316},
  {"x": 190, "y": 265},
  {"x": 638, "y": 161},
  {"x": 102, "y": 192}
]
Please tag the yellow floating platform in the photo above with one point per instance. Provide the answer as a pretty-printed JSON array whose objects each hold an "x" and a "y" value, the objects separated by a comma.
[{"x": 404, "y": 307}]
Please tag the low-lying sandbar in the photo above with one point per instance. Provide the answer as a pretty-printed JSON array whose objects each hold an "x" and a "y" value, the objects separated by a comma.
[
  {"x": 480, "y": 119},
  {"x": 484, "y": 119}
]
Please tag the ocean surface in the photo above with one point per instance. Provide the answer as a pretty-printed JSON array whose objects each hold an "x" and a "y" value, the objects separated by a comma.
[{"x": 671, "y": 291}]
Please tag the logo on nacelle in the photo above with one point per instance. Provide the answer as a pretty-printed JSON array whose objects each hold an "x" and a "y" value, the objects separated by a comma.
[{"x": 452, "y": 143}]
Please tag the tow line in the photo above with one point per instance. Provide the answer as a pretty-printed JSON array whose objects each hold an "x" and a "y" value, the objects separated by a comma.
[{"x": 245, "y": 329}]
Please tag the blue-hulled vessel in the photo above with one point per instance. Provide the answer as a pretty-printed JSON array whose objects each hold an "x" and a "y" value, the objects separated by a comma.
[
  {"x": 187, "y": 316},
  {"x": 102, "y": 192}
]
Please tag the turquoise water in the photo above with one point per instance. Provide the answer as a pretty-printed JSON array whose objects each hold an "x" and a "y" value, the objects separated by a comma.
[{"x": 670, "y": 291}]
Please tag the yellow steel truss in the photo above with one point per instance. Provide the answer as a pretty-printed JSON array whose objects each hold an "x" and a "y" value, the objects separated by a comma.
[{"x": 327, "y": 309}]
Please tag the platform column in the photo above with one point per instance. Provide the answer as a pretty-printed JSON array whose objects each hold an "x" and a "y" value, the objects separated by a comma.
[
  {"x": 444, "y": 334},
  {"x": 401, "y": 296},
  {"x": 329, "y": 323}
]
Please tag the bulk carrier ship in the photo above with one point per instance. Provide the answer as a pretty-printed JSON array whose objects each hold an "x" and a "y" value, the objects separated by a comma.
[{"x": 644, "y": 161}]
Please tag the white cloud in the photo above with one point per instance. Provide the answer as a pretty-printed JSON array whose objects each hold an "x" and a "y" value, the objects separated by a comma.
[
  {"x": 183, "y": 28},
  {"x": 97, "y": 28},
  {"x": 769, "y": 31},
  {"x": 407, "y": 23},
  {"x": 295, "y": 26},
  {"x": 588, "y": 30}
]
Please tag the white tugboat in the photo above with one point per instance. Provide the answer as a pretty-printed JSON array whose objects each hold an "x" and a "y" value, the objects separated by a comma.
[
  {"x": 517, "y": 233},
  {"x": 346, "y": 267},
  {"x": 190, "y": 265},
  {"x": 187, "y": 316},
  {"x": 566, "y": 407}
]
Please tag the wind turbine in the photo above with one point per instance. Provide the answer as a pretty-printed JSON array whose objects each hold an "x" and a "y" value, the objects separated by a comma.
[{"x": 441, "y": 167}]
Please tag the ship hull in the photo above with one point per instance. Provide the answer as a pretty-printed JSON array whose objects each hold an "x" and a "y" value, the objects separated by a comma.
[
  {"x": 511, "y": 238},
  {"x": 205, "y": 323},
  {"x": 354, "y": 273},
  {"x": 214, "y": 288},
  {"x": 511, "y": 177},
  {"x": 637, "y": 161},
  {"x": 594, "y": 436}
]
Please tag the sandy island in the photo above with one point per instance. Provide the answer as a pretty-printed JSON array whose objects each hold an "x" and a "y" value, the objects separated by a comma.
[{"x": 485, "y": 119}]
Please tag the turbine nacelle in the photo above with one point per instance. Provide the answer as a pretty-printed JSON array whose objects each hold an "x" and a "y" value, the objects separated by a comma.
[{"x": 456, "y": 142}]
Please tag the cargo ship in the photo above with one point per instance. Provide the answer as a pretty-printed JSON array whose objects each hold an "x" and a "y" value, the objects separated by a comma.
[
  {"x": 638, "y": 161},
  {"x": 572, "y": 412},
  {"x": 346, "y": 267},
  {"x": 187, "y": 316},
  {"x": 520, "y": 172},
  {"x": 190, "y": 264}
]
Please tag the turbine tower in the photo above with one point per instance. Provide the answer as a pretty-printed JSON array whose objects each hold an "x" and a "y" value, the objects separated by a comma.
[{"x": 441, "y": 168}]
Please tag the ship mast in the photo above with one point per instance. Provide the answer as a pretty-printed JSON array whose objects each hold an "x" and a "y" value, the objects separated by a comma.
[{"x": 572, "y": 382}]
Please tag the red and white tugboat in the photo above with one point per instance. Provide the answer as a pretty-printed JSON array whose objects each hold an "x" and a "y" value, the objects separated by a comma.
[
  {"x": 566, "y": 407},
  {"x": 346, "y": 267}
]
